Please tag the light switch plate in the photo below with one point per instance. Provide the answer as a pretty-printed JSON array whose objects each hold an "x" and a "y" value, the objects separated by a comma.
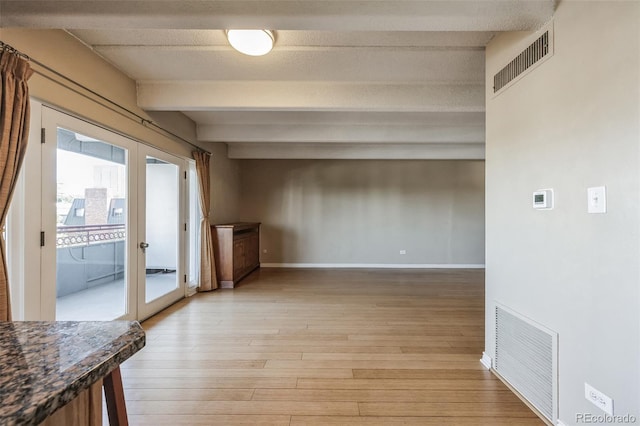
[{"x": 597, "y": 199}]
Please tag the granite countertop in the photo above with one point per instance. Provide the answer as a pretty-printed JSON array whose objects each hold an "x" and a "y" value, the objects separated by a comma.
[{"x": 44, "y": 365}]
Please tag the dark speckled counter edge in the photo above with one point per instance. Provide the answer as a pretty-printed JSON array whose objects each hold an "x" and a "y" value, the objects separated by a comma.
[
  {"x": 91, "y": 368},
  {"x": 84, "y": 382}
]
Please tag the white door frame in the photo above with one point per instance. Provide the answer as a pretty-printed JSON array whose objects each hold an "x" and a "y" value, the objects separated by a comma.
[
  {"x": 51, "y": 120},
  {"x": 145, "y": 309},
  {"x": 23, "y": 229}
]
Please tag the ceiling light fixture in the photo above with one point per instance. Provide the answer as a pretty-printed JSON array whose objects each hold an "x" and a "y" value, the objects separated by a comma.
[{"x": 251, "y": 42}]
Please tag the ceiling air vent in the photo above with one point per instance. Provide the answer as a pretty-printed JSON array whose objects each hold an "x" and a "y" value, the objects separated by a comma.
[{"x": 538, "y": 50}]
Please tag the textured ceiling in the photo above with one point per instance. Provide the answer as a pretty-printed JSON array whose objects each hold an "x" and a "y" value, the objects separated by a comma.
[{"x": 346, "y": 79}]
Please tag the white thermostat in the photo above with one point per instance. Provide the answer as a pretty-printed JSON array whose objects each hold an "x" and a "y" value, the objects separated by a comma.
[{"x": 543, "y": 199}]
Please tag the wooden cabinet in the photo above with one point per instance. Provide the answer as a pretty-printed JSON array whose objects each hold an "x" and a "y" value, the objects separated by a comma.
[{"x": 237, "y": 251}]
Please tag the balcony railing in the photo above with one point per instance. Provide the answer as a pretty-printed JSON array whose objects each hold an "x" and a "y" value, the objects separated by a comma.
[{"x": 85, "y": 235}]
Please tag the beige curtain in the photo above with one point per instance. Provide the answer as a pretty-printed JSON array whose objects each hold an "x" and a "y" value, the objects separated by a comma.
[
  {"x": 14, "y": 133},
  {"x": 208, "y": 278}
]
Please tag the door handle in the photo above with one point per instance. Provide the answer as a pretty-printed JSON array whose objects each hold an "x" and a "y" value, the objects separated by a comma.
[{"x": 143, "y": 246}]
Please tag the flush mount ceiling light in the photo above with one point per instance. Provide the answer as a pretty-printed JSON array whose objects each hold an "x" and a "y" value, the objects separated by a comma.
[{"x": 251, "y": 42}]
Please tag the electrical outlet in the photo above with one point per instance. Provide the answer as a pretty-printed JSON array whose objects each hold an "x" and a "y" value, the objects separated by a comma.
[
  {"x": 403, "y": 252},
  {"x": 598, "y": 399}
]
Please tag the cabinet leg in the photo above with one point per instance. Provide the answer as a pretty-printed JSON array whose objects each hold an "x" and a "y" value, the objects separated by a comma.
[{"x": 114, "y": 396}]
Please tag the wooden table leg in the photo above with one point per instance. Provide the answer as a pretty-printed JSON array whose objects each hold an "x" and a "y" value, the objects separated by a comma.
[{"x": 114, "y": 396}]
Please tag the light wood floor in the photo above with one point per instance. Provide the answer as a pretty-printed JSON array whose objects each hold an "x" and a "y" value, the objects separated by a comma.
[{"x": 310, "y": 347}]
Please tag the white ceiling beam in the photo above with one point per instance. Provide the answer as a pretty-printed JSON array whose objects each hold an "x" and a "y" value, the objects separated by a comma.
[
  {"x": 362, "y": 64},
  {"x": 216, "y": 37},
  {"x": 311, "y": 133},
  {"x": 358, "y": 118},
  {"x": 309, "y": 96},
  {"x": 348, "y": 15},
  {"x": 357, "y": 151}
]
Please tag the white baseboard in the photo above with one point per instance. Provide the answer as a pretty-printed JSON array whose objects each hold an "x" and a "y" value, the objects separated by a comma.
[
  {"x": 376, "y": 265},
  {"x": 486, "y": 361}
]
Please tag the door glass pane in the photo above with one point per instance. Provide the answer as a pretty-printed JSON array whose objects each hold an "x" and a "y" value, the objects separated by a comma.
[
  {"x": 91, "y": 235},
  {"x": 162, "y": 215}
]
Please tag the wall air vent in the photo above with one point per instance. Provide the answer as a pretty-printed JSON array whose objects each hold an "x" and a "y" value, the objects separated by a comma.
[
  {"x": 540, "y": 49},
  {"x": 526, "y": 358}
]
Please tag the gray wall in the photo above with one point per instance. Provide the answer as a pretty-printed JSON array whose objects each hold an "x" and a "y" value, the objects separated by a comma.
[
  {"x": 225, "y": 185},
  {"x": 365, "y": 212},
  {"x": 571, "y": 124}
]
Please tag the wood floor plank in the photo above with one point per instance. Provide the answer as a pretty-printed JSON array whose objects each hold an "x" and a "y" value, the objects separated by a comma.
[
  {"x": 431, "y": 374},
  {"x": 365, "y": 364},
  {"x": 412, "y": 421},
  {"x": 385, "y": 395},
  {"x": 337, "y": 373},
  {"x": 266, "y": 349},
  {"x": 310, "y": 341},
  {"x": 308, "y": 356},
  {"x": 424, "y": 340},
  {"x": 169, "y": 394},
  {"x": 208, "y": 420},
  {"x": 219, "y": 356},
  {"x": 435, "y": 330},
  {"x": 189, "y": 341},
  {"x": 281, "y": 338},
  {"x": 213, "y": 332},
  {"x": 445, "y": 409},
  {"x": 181, "y": 382},
  {"x": 323, "y": 347},
  {"x": 470, "y": 350},
  {"x": 303, "y": 408},
  {"x": 140, "y": 363},
  {"x": 399, "y": 384}
]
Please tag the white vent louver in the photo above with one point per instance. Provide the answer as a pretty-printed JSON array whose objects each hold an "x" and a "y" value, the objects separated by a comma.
[
  {"x": 526, "y": 357},
  {"x": 537, "y": 51}
]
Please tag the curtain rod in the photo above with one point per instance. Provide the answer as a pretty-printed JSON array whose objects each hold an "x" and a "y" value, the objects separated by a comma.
[
  {"x": 8, "y": 48},
  {"x": 138, "y": 118}
]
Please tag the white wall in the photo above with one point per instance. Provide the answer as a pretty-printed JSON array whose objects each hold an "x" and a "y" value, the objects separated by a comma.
[
  {"x": 162, "y": 217},
  {"x": 366, "y": 211},
  {"x": 571, "y": 124}
]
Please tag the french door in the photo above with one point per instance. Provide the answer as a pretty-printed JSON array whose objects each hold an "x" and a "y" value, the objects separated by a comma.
[
  {"x": 161, "y": 230},
  {"x": 112, "y": 211}
]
